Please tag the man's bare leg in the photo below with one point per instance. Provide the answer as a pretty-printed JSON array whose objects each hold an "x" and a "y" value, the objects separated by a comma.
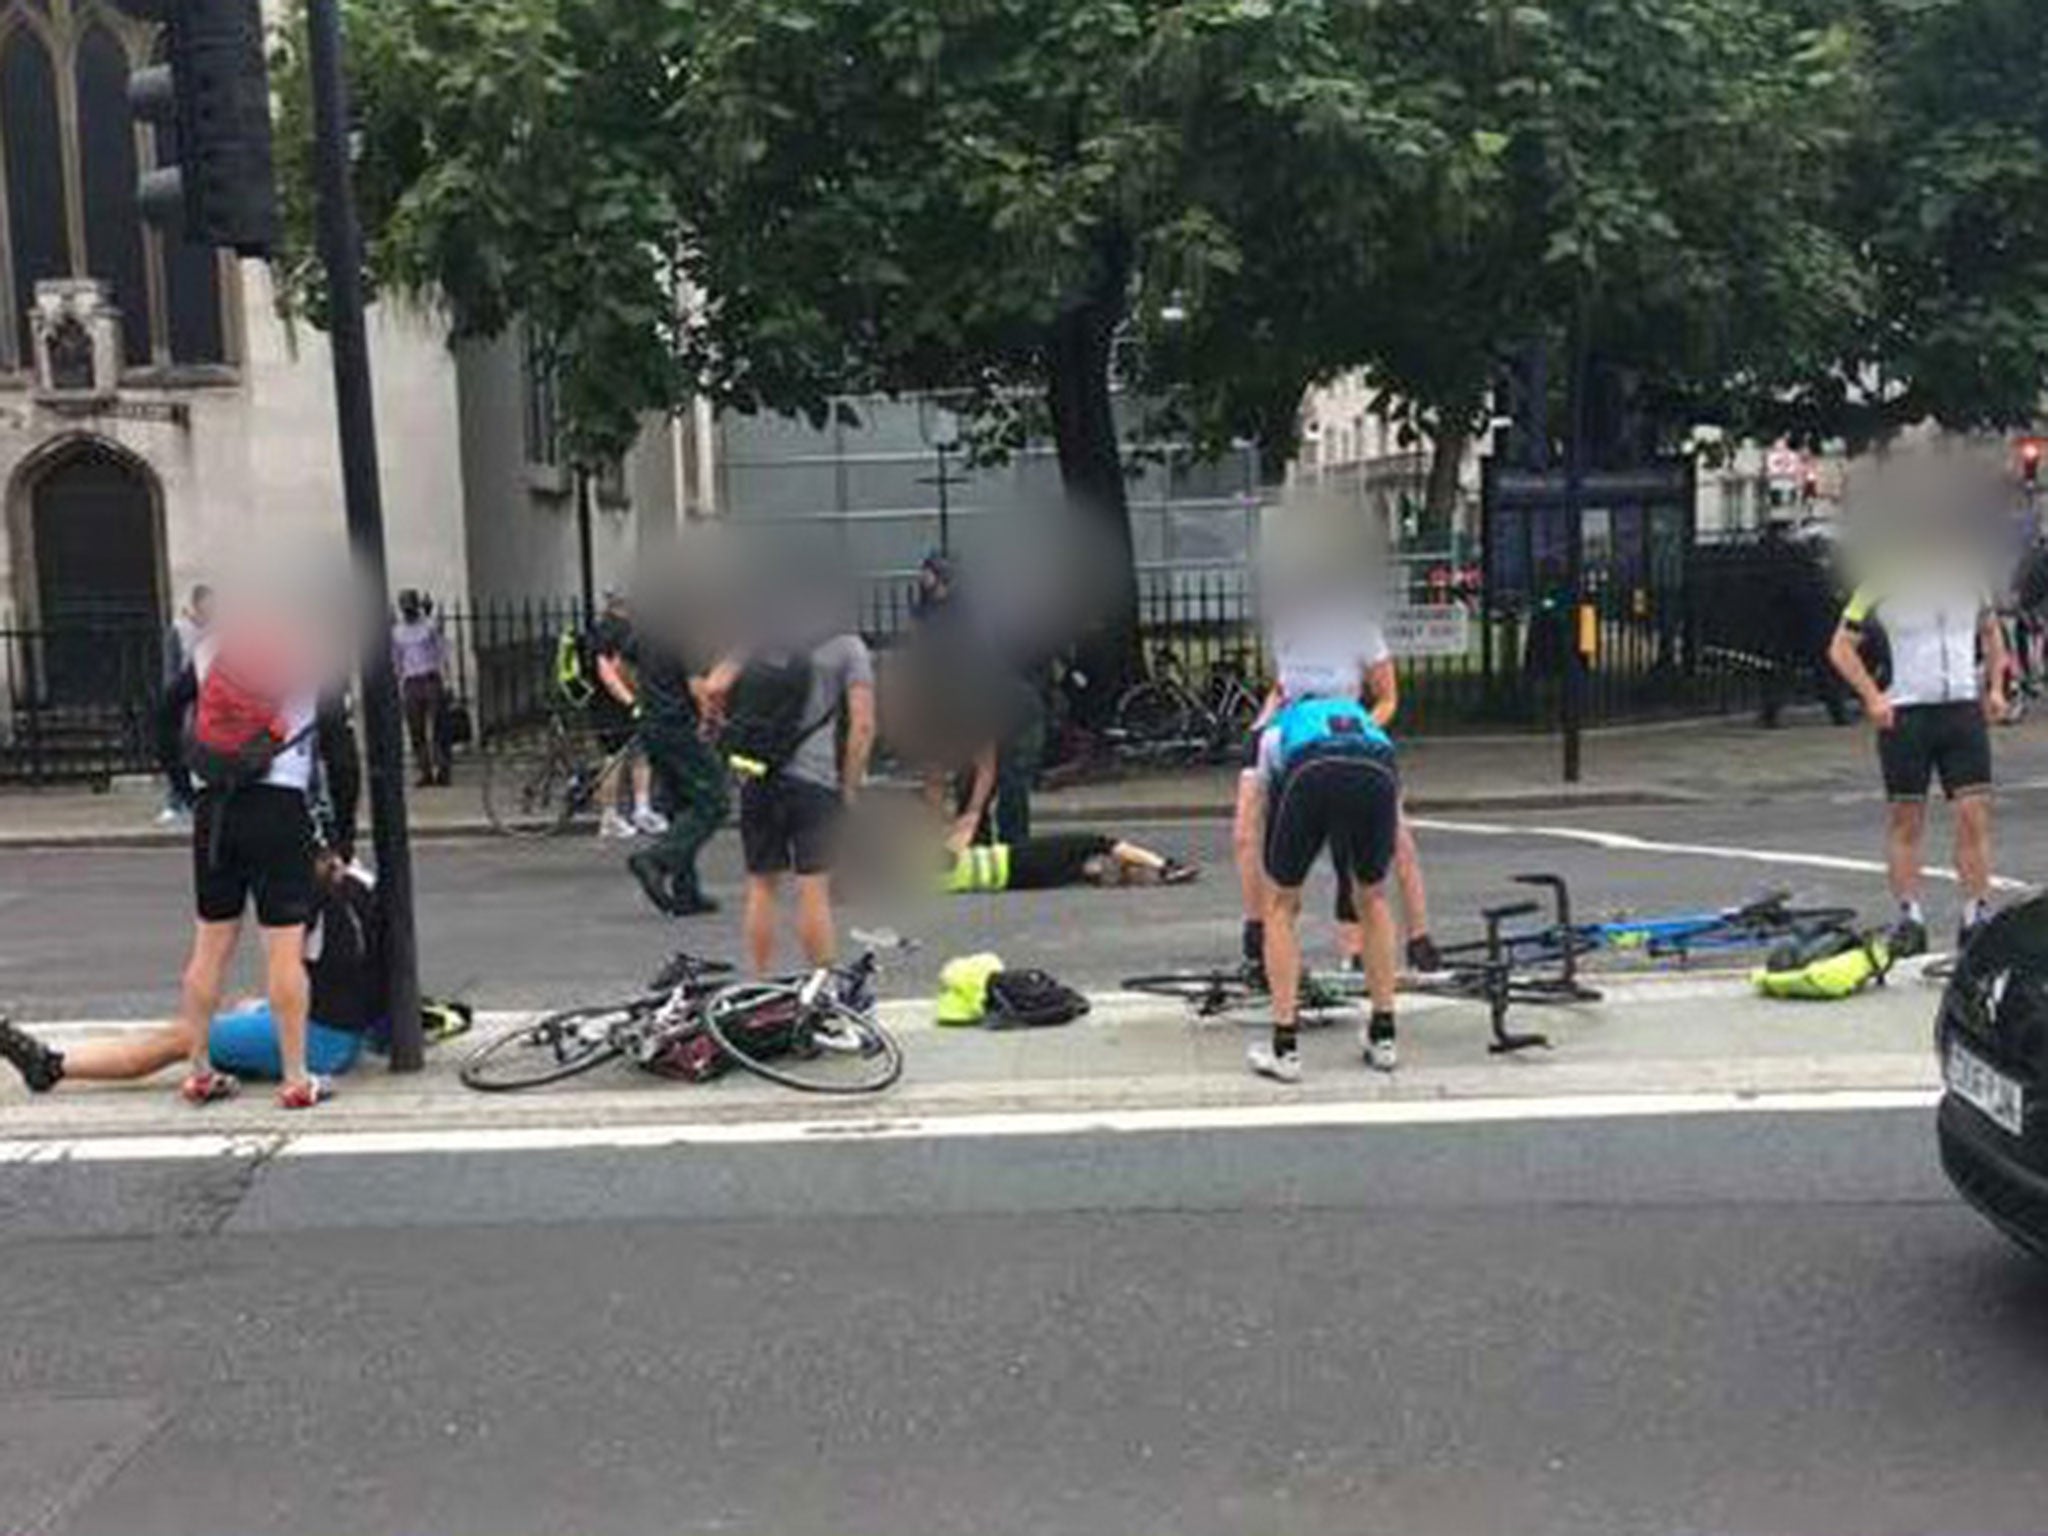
[
  {"x": 1973, "y": 854},
  {"x": 1408, "y": 875},
  {"x": 1376, "y": 929},
  {"x": 815, "y": 932},
  {"x": 213, "y": 947},
  {"x": 125, "y": 1058},
  {"x": 1247, "y": 840},
  {"x": 1283, "y": 955},
  {"x": 290, "y": 993},
  {"x": 759, "y": 923}
]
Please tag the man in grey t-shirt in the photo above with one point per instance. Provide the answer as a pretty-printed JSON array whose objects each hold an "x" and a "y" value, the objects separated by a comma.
[{"x": 790, "y": 817}]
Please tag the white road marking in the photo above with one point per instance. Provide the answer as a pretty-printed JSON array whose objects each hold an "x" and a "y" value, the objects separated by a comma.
[
  {"x": 579, "y": 1138},
  {"x": 1623, "y": 842}
]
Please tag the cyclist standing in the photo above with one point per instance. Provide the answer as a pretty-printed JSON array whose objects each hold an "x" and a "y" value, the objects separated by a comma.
[
  {"x": 1947, "y": 682},
  {"x": 798, "y": 721}
]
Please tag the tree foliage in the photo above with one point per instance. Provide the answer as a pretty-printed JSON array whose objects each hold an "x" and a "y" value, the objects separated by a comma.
[{"x": 1816, "y": 216}]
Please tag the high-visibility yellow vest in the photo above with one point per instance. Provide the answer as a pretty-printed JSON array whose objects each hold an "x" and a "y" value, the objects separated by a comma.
[{"x": 978, "y": 869}]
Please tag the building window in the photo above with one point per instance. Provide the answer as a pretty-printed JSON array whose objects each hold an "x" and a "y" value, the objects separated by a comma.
[
  {"x": 40, "y": 245},
  {"x": 114, "y": 250},
  {"x": 70, "y": 156},
  {"x": 543, "y": 414}
]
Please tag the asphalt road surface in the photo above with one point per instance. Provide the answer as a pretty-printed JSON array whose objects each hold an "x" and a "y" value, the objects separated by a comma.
[
  {"x": 101, "y": 934},
  {"x": 1756, "y": 1323}
]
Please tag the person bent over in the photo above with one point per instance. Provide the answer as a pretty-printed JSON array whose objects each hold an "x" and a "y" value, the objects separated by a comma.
[{"x": 1328, "y": 771}]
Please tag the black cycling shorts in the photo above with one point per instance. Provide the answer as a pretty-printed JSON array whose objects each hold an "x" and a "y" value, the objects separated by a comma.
[
  {"x": 788, "y": 824},
  {"x": 256, "y": 843},
  {"x": 1951, "y": 740},
  {"x": 1347, "y": 801}
]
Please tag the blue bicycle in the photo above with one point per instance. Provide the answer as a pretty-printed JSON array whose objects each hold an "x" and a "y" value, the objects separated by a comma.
[{"x": 1761, "y": 924}]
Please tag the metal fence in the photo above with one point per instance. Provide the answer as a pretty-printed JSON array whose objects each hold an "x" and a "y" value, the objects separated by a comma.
[{"x": 79, "y": 704}]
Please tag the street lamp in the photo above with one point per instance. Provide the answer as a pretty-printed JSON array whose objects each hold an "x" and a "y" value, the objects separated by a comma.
[{"x": 939, "y": 426}]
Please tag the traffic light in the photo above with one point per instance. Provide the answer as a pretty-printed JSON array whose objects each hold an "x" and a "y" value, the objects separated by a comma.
[
  {"x": 1521, "y": 401},
  {"x": 214, "y": 90}
]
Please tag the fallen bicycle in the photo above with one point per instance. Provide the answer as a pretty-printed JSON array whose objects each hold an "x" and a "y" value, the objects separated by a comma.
[{"x": 816, "y": 1033}]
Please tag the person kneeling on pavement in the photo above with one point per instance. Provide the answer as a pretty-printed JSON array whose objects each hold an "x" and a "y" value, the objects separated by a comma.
[{"x": 346, "y": 985}]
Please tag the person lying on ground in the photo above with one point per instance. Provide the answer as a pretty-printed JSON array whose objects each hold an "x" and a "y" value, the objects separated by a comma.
[
  {"x": 1059, "y": 860},
  {"x": 345, "y": 986}
]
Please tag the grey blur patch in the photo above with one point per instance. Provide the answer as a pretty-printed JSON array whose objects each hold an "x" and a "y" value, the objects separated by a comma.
[
  {"x": 56, "y": 1452},
  {"x": 1939, "y": 511}
]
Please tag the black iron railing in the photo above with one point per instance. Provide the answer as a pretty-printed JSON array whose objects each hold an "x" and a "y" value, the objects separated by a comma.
[{"x": 79, "y": 702}]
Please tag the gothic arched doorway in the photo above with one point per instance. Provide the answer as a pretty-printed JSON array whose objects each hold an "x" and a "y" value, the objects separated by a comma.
[{"x": 96, "y": 543}]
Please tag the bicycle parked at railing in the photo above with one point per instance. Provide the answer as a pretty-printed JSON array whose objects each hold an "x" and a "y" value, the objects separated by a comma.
[
  {"x": 541, "y": 789},
  {"x": 816, "y": 1033},
  {"x": 1169, "y": 715}
]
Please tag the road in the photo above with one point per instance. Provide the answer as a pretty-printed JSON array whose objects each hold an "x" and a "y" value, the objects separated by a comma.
[
  {"x": 1754, "y": 1322},
  {"x": 101, "y": 934}
]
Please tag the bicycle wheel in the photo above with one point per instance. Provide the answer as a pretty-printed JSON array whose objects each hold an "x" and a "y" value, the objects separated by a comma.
[
  {"x": 1207, "y": 992},
  {"x": 533, "y": 794},
  {"x": 556, "y": 1048},
  {"x": 1152, "y": 712},
  {"x": 821, "y": 1047}
]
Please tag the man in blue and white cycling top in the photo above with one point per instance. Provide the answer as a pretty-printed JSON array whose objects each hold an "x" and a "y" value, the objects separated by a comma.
[{"x": 1326, "y": 769}]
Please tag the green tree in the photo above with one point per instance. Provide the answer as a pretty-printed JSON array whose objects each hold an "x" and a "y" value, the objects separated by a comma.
[
  {"x": 885, "y": 195},
  {"x": 1948, "y": 213},
  {"x": 1655, "y": 180}
]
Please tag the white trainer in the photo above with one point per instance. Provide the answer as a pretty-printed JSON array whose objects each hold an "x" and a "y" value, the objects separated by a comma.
[
  {"x": 1381, "y": 1053},
  {"x": 612, "y": 824},
  {"x": 1267, "y": 1062},
  {"x": 647, "y": 819}
]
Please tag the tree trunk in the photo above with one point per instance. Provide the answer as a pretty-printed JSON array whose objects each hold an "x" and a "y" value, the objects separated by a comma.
[
  {"x": 1078, "y": 355},
  {"x": 1440, "y": 501}
]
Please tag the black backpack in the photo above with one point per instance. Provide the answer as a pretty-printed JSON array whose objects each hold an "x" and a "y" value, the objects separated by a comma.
[
  {"x": 1032, "y": 1000},
  {"x": 765, "y": 720}
]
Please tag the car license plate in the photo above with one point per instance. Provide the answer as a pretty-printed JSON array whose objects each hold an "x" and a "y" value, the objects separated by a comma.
[{"x": 2002, "y": 1100}]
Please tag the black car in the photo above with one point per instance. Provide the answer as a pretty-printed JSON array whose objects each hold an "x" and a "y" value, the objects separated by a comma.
[{"x": 1993, "y": 1039}]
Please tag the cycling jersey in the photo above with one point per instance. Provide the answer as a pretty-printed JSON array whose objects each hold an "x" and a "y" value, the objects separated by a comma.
[
  {"x": 1326, "y": 654},
  {"x": 1932, "y": 637},
  {"x": 1328, "y": 726}
]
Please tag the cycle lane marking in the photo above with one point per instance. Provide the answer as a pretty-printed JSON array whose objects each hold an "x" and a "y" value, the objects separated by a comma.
[
  {"x": 1337, "y": 1114},
  {"x": 1625, "y": 842}
]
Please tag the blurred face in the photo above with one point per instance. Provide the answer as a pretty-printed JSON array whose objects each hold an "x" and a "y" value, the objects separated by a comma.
[{"x": 202, "y": 607}]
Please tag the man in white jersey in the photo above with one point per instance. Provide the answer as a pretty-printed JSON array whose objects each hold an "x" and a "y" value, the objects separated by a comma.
[{"x": 1947, "y": 679}]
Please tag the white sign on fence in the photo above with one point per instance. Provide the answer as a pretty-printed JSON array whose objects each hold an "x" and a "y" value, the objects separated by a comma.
[{"x": 1432, "y": 631}]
